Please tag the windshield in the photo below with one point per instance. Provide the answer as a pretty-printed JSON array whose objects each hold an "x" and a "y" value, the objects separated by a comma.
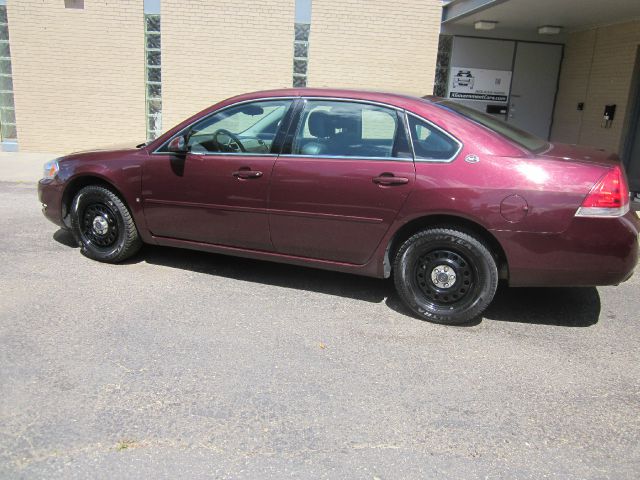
[{"x": 522, "y": 138}]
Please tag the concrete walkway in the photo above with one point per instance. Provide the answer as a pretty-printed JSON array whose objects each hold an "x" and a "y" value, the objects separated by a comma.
[{"x": 23, "y": 167}]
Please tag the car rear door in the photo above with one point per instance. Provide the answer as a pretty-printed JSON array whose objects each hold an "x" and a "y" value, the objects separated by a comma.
[
  {"x": 345, "y": 171},
  {"x": 217, "y": 192}
]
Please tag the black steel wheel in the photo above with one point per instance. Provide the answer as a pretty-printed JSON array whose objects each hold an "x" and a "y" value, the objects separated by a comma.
[
  {"x": 99, "y": 225},
  {"x": 445, "y": 275},
  {"x": 103, "y": 226}
]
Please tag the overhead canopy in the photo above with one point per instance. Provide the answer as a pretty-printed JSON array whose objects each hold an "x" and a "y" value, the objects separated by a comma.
[{"x": 526, "y": 16}]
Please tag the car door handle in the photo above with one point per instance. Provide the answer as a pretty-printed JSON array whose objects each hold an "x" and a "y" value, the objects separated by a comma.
[
  {"x": 246, "y": 173},
  {"x": 390, "y": 179}
]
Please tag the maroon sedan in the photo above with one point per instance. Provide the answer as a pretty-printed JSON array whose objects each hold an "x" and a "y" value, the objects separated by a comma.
[{"x": 442, "y": 197}]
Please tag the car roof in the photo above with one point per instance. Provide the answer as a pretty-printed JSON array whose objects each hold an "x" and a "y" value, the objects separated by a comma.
[{"x": 398, "y": 99}]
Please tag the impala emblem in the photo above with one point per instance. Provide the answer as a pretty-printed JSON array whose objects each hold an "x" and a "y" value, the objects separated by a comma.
[{"x": 472, "y": 158}]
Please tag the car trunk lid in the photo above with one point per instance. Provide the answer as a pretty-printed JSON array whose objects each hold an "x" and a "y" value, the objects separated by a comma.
[{"x": 578, "y": 153}]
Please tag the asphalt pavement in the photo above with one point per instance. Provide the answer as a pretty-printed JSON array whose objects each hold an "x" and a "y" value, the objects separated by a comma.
[{"x": 193, "y": 365}]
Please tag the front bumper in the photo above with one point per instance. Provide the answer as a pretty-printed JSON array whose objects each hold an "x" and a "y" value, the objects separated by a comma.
[
  {"x": 592, "y": 251},
  {"x": 50, "y": 193}
]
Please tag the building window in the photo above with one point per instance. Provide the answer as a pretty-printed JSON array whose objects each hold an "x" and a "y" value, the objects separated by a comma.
[
  {"x": 302, "y": 27},
  {"x": 445, "y": 44},
  {"x": 8, "y": 130},
  {"x": 74, "y": 4},
  {"x": 301, "y": 54},
  {"x": 153, "y": 74}
]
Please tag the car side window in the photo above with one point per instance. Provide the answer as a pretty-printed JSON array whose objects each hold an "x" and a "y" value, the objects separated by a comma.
[
  {"x": 348, "y": 129},
  {"x": 429, "y": 143},
  {"x": 249, "y": 128}
]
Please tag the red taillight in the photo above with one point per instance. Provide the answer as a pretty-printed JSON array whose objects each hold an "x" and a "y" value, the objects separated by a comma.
[{"x": 608, "y": 198}]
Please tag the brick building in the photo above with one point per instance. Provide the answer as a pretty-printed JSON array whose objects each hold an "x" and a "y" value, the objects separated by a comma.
[
  {"x": 78, "y": 74},
  {"x": 86, "y": 73}
]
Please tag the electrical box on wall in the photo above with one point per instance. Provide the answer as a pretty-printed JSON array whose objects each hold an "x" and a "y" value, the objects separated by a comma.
[
  {"x": 607, "y": 117},
  {"x": 497, "y": 109}
]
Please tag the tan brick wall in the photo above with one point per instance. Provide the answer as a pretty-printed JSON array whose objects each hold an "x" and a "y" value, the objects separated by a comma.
[
  {"x": 597, "y": 70},
  {"x": 78, "y": 74},
  {"x": 379, "y": 44},
  {"x": 213, "y": 50}
]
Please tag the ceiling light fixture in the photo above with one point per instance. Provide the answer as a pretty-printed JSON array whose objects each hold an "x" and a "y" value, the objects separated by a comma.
[
  {"x": 485, "y": 25},
  {"x": 549, "y": 30}
]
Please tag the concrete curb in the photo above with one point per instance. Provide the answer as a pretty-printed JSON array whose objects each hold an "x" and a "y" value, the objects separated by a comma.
[{"x": 19, "y": 167}]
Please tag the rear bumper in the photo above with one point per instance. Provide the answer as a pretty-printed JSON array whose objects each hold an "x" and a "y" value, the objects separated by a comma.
[
  {"x": 592, "y": 251},
  {"x": 50, "y": 195}
]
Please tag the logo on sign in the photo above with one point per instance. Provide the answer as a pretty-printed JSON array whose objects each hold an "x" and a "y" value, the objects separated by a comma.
[{"x": 468, "y": 83}]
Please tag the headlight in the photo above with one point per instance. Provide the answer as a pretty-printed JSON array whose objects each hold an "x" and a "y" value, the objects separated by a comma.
[{"x": 51, "y": 168}]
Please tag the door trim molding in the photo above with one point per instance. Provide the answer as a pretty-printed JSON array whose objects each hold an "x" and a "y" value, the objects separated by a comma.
[{"x": 265, "y": 211}]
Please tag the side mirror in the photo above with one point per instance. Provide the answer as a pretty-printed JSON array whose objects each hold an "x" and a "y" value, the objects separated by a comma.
[{"x": 178, "y": 145}]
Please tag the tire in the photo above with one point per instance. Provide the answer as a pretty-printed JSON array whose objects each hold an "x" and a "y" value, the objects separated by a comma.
[
  {"x": 445, "y": 276},
  {"x": 102, "y": 225}
]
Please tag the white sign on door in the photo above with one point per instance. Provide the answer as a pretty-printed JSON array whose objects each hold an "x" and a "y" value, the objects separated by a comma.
[{"x": 478, "y": 84}]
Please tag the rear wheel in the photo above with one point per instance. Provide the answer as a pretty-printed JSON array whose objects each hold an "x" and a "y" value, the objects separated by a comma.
[
  {"x": 103, "y": 225},
  {"x": 445, "y": 275}
]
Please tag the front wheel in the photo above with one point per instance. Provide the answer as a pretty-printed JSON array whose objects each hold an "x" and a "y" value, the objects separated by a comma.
[
  {"x": 445, "y": 275},
  {"x": 103, "y": 226}
]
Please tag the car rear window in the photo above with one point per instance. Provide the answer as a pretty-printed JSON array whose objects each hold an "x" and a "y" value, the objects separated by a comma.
[{"x": 524, "y": 139}]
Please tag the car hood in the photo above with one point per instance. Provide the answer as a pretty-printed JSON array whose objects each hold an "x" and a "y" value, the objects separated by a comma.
[
  {"x": 102, "y": 152},
  {"x": 579, "y": 153}
]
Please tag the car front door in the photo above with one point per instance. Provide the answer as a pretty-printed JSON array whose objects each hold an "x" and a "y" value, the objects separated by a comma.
[
  {"x": 346, "y": 171},
  {"x": 217, "y": 192}
]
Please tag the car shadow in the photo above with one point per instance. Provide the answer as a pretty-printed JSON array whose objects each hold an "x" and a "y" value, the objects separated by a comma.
[
  {"x": 66, "y": 238},
  {"x": 567, "y": 307},
  {"x": 563, "y": 307},
  {"x": 269, "y": 273}
]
